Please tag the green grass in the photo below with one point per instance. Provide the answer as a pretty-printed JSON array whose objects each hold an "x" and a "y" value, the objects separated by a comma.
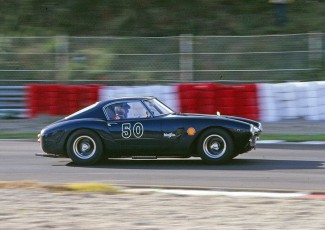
[
  {"x": 293, "y": 137},
  {"x": 18, "y": 135}
]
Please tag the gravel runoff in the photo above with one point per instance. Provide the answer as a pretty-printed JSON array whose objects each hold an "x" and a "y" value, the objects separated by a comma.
[
  {"x": 282, "y": 127},
  {"x": 39, "y": 209}
]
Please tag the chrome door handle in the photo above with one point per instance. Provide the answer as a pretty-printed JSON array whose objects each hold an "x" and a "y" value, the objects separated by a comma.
[{"x": 110, "y": 124}]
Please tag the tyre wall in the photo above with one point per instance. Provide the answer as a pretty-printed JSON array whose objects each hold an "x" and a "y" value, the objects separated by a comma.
[
  {"x": 264, "y": 102},
  {"x": 283, "y": 101},
  {"x": 239, "y": 100},
  {"x": 55, "y": 99}
]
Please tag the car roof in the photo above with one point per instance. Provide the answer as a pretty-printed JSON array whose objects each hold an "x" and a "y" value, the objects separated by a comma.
[{"x": 125, "y": 99}]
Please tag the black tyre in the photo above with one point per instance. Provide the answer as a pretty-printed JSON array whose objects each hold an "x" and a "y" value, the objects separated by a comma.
[
  {"x": 215, "y": 146},
  {"x": 84, "y": 147}
]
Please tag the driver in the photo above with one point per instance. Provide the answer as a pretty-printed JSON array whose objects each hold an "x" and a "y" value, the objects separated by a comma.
[{"x": 121, "y": 111}]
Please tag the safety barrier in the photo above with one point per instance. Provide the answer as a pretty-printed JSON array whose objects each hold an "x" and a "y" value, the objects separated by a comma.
[
  {"x": 246, "y": 103},
  {"x": 304, "y": 100},
  {"x": 265, "y": 102},
  {"x": 55, "y": 99},
  {"x": 211, "y": 98},
  {"x": 13, "y": 102}
]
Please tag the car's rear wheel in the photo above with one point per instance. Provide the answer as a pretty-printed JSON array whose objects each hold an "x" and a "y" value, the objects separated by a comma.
[
  {"x": 84, "y": 147},
  {"x": 215, "y": 146}
]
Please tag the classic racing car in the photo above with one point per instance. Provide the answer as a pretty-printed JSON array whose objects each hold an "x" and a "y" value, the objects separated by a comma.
[{"x": 141, "y": 127}]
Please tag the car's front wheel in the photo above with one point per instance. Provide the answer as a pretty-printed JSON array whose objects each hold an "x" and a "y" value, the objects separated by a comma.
[
  {"x": 84, "y": 147},
  {"x": 215, "y": 146}
]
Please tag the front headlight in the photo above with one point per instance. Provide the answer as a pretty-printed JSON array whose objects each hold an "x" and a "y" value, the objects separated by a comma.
[
  {"x": 42, "y": 132},
  {"x": 260, "y": 127},
  {"x": 254, "y": 130}
]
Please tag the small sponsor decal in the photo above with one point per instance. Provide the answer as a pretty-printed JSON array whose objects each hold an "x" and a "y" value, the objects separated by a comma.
[
  {"x": 169, "y": 135},
  {"x": 191, "y": 131}
]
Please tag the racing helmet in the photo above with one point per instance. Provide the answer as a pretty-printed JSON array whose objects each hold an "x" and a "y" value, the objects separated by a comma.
[{"x": 121, "y": 110}]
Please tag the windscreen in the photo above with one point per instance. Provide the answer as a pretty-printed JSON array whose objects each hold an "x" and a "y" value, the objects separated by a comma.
[{"x": 157, "y": 108}]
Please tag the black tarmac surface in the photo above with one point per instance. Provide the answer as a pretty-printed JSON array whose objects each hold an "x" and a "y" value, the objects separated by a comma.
[{"x": 293, "y": 169}]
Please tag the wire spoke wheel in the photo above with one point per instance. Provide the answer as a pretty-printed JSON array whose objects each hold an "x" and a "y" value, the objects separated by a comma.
[
  {"x": 215, "y": 146},
  {"x": 84, "y": 147}
]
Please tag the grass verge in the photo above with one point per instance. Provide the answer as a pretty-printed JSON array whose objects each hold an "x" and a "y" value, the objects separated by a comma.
[
  {"x": 18, "y": 135},
  {"x": 293, "y": 137},
  {"x": 70, "y": 187},
  {"x": 84, "y": 187}
]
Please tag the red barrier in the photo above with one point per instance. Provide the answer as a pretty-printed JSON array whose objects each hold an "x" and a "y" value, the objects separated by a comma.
[
  {"x": 207, "y": 98},
  {"x": 239, "y": 100},
  {"x": 246, "y": 101},
  {"x": 225, "y": 100},
  {"x": 32, "y": 100},
  {"x": 56, "y": 99},
  {"x": 187, "y": 98}
]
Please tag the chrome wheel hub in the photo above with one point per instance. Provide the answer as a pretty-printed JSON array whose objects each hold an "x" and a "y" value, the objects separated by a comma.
[
  {"x": 84, "y": 147},
  {"x": 214, "y": 146}
]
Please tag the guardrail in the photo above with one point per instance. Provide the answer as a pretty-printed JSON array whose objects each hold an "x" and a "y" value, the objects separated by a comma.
[{"x": 13, "y": 102}]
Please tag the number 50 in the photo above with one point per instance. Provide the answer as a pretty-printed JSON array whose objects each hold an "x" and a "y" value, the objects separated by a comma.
[{"x": 127, "y": 130}]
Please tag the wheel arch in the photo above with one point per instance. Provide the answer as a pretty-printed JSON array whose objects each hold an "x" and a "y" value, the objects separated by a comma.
[
  {"x": 195, "y": 142},
  {"x": 77, "y": 129},
  {"x": 84, "y": 146}
]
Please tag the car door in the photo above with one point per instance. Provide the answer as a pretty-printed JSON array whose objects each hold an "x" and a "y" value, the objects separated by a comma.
[
  {"x": 173, "y": 131},
  {"x": 137, "y": 132}
]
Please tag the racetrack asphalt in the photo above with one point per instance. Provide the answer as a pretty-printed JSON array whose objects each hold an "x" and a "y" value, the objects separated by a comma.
[
  {"x": 288, "y": 175},
  {"x": 268, "y": 188},
  {"x": 293, "y": 169}
]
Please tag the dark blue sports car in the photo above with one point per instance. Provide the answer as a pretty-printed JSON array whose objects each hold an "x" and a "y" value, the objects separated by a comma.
[{"x": 143, "y": 127}]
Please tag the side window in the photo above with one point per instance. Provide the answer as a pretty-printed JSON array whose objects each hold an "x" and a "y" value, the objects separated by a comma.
[
  {"x": 109, "y": 112},
  {"x": 126, "y": 110},
  {"x": 137, "y": 110}
]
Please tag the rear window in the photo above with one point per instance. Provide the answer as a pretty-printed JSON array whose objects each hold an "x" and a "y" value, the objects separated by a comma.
[{"x": 82, "y": 110}]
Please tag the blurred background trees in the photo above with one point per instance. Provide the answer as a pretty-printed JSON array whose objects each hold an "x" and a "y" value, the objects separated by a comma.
[
  {"x": 155, "y": 17},
  {"x": 142, "y": 40}
]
